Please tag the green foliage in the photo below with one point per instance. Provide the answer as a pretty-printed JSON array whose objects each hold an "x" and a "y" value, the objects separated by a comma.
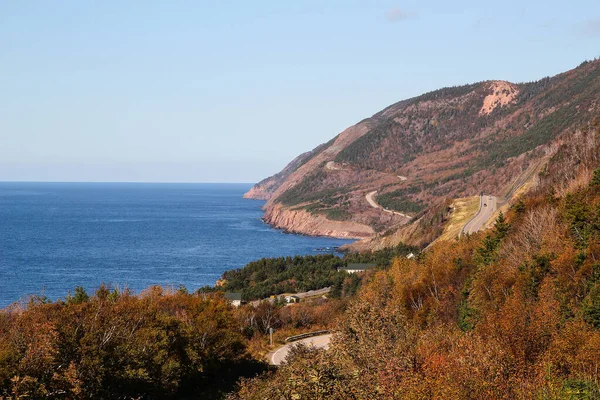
[
  {"x": 497, "y": 152},
  {"x": 466, "y": 313},
  {"x": 308, "y": 190},
  {"x": 383, "y": 257},
  {"x": 570, "y": 102},
  {"x": 501, "y": 227},
  {"x": 312, "y": 154},
  {"x": 359, "y": 152},
  {"x": 79, "y": 297},
  {"x": 272, "y": 276},
  {"x": 345, "y": 285},
  {"x": 591, "y": 307},
  {"x": 398, "y": 201},
  {"x": 488, "y": 251},
  {"x": 534, "y": 272},
  {"x": 113, "y": 296},
  {"x": 580, "y": 216},
  {"x": 519, "y": 207},
  {"x": 403, "y": 141},
  {"x": 577, "y": 389},
  {"x": 334, "y": 214},
  {"x": 595, "y": 182}
]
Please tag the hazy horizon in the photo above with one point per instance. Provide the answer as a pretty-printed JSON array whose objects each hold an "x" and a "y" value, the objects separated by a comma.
[
  {"x": 196, "y": 92},
  {"x": 138, "y": 182}
]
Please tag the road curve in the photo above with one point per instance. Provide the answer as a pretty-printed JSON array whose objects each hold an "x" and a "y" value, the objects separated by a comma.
[
  {"x": 278, "y": 357},
  {"x": 487, "y": 207},
  {"x": 371, "y": 200}
]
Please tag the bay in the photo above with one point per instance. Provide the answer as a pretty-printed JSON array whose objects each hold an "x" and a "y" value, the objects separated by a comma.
[{"x": 56, "y": 236}]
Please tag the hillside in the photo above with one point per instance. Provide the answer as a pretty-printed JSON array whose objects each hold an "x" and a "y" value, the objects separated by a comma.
[
  {"x": 419, "y": 154},
  {"x": 512, "y": 313}
]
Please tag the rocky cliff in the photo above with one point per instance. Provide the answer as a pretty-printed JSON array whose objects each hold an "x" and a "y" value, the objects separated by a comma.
[{"x": 301, "y": 221}]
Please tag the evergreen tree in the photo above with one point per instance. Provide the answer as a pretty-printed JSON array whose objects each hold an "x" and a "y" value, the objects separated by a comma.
[
  {"x": 595, "y": 182},
  {"x": 501, "y": 227}
]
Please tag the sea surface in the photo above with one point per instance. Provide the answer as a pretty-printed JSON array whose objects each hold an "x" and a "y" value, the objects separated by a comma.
[{"x": 56, "y": 236}]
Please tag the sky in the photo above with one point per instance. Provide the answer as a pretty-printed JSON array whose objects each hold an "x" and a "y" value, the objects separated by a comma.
[{"x": 231, "y": 91}]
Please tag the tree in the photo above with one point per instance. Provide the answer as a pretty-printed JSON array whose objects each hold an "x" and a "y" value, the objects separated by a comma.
[
  {"x": 595, "y": 182},
  {"x": 591, "y": 307},
  {"x": 80, "y": 296},
  {"x": 501, "y": 227},
  {"x": 159, "y": 344}
]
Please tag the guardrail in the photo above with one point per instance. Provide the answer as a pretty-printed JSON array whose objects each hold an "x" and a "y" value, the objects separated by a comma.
[{"x": 306, "y": 335}]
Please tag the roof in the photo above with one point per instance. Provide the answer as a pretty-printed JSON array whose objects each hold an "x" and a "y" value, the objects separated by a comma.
[
  {"x": 357, "y": 266},
  {"x": 233, "y": 296}
]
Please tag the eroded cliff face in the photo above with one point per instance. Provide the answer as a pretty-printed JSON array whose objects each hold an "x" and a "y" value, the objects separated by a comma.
[{"x": 305, "y": 223}]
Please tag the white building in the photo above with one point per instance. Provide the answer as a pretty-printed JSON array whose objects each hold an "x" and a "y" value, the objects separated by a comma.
[
  {"x": 353, "y": 268},
  {"x": 234, "y": 298}
]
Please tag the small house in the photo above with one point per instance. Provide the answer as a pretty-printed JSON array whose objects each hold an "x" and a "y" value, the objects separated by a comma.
[
  {"x": 353, "y": 268},
  {"x": 235, "y": 298}
]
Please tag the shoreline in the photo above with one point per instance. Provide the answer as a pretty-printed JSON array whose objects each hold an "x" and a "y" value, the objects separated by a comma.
[
  {"x": 136, "y": 238},
  {"x": 291, "y": 232}
]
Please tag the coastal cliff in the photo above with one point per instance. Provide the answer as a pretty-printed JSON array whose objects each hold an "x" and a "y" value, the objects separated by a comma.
[
  {"x": 305, "y": 223},
  {"x": 390, "y": 175}
]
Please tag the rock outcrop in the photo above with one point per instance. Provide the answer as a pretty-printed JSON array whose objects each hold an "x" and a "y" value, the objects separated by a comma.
[{"x": 302, "y": 222}]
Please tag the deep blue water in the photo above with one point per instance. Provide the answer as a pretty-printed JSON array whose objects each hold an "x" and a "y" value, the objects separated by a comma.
[{"x": 56, "y": 236}]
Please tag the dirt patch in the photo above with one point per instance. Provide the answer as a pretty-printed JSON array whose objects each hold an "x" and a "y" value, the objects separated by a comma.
[
  {"x": 333, "y": 166},
  {"x": 502, "y": 94},
  {"x": 464, "y": 209}
]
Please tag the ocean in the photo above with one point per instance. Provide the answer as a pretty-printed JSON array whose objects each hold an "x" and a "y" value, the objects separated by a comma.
[{"x": 56, "y": 236}]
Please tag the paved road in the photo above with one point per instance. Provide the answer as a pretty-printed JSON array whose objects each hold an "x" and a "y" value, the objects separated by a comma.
[
  {"x": 371, "y": 200},
  {"x": 279, "y": 356},
  {"x": 487, "y": 206}
]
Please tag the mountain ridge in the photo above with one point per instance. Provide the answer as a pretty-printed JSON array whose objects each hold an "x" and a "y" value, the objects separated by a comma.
[{"x": 421, "y": 152}]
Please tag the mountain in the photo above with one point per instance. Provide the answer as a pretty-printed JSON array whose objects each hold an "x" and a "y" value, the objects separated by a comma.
[{"x": 414, "y": 157}]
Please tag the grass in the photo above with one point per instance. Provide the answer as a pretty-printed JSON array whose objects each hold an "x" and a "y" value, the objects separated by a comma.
[{"x": 464, "y": 209}]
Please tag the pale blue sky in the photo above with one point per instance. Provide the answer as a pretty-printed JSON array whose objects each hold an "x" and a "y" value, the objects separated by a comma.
[{"x": 230, "y": 91}]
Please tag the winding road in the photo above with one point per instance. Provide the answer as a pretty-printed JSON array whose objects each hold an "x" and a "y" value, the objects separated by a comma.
[
  {"x": 371, "y": 200},
  {"x": 278, "y": 357},
  {"x": 487, "y": 206}
]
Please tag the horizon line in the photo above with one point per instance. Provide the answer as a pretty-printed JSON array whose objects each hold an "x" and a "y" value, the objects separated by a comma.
[{"x": 136, "y": 182}]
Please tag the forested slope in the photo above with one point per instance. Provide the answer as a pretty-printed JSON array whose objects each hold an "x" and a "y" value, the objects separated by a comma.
[{"x": 509, "y": 313}]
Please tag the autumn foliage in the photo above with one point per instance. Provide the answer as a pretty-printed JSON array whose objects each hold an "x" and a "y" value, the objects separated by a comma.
[
  {"x": 512, "y": 313},
  {"x": 509, "y": 313},
  {"x": 158, "y": 344},
  {"x": 115, "y": 345}
]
